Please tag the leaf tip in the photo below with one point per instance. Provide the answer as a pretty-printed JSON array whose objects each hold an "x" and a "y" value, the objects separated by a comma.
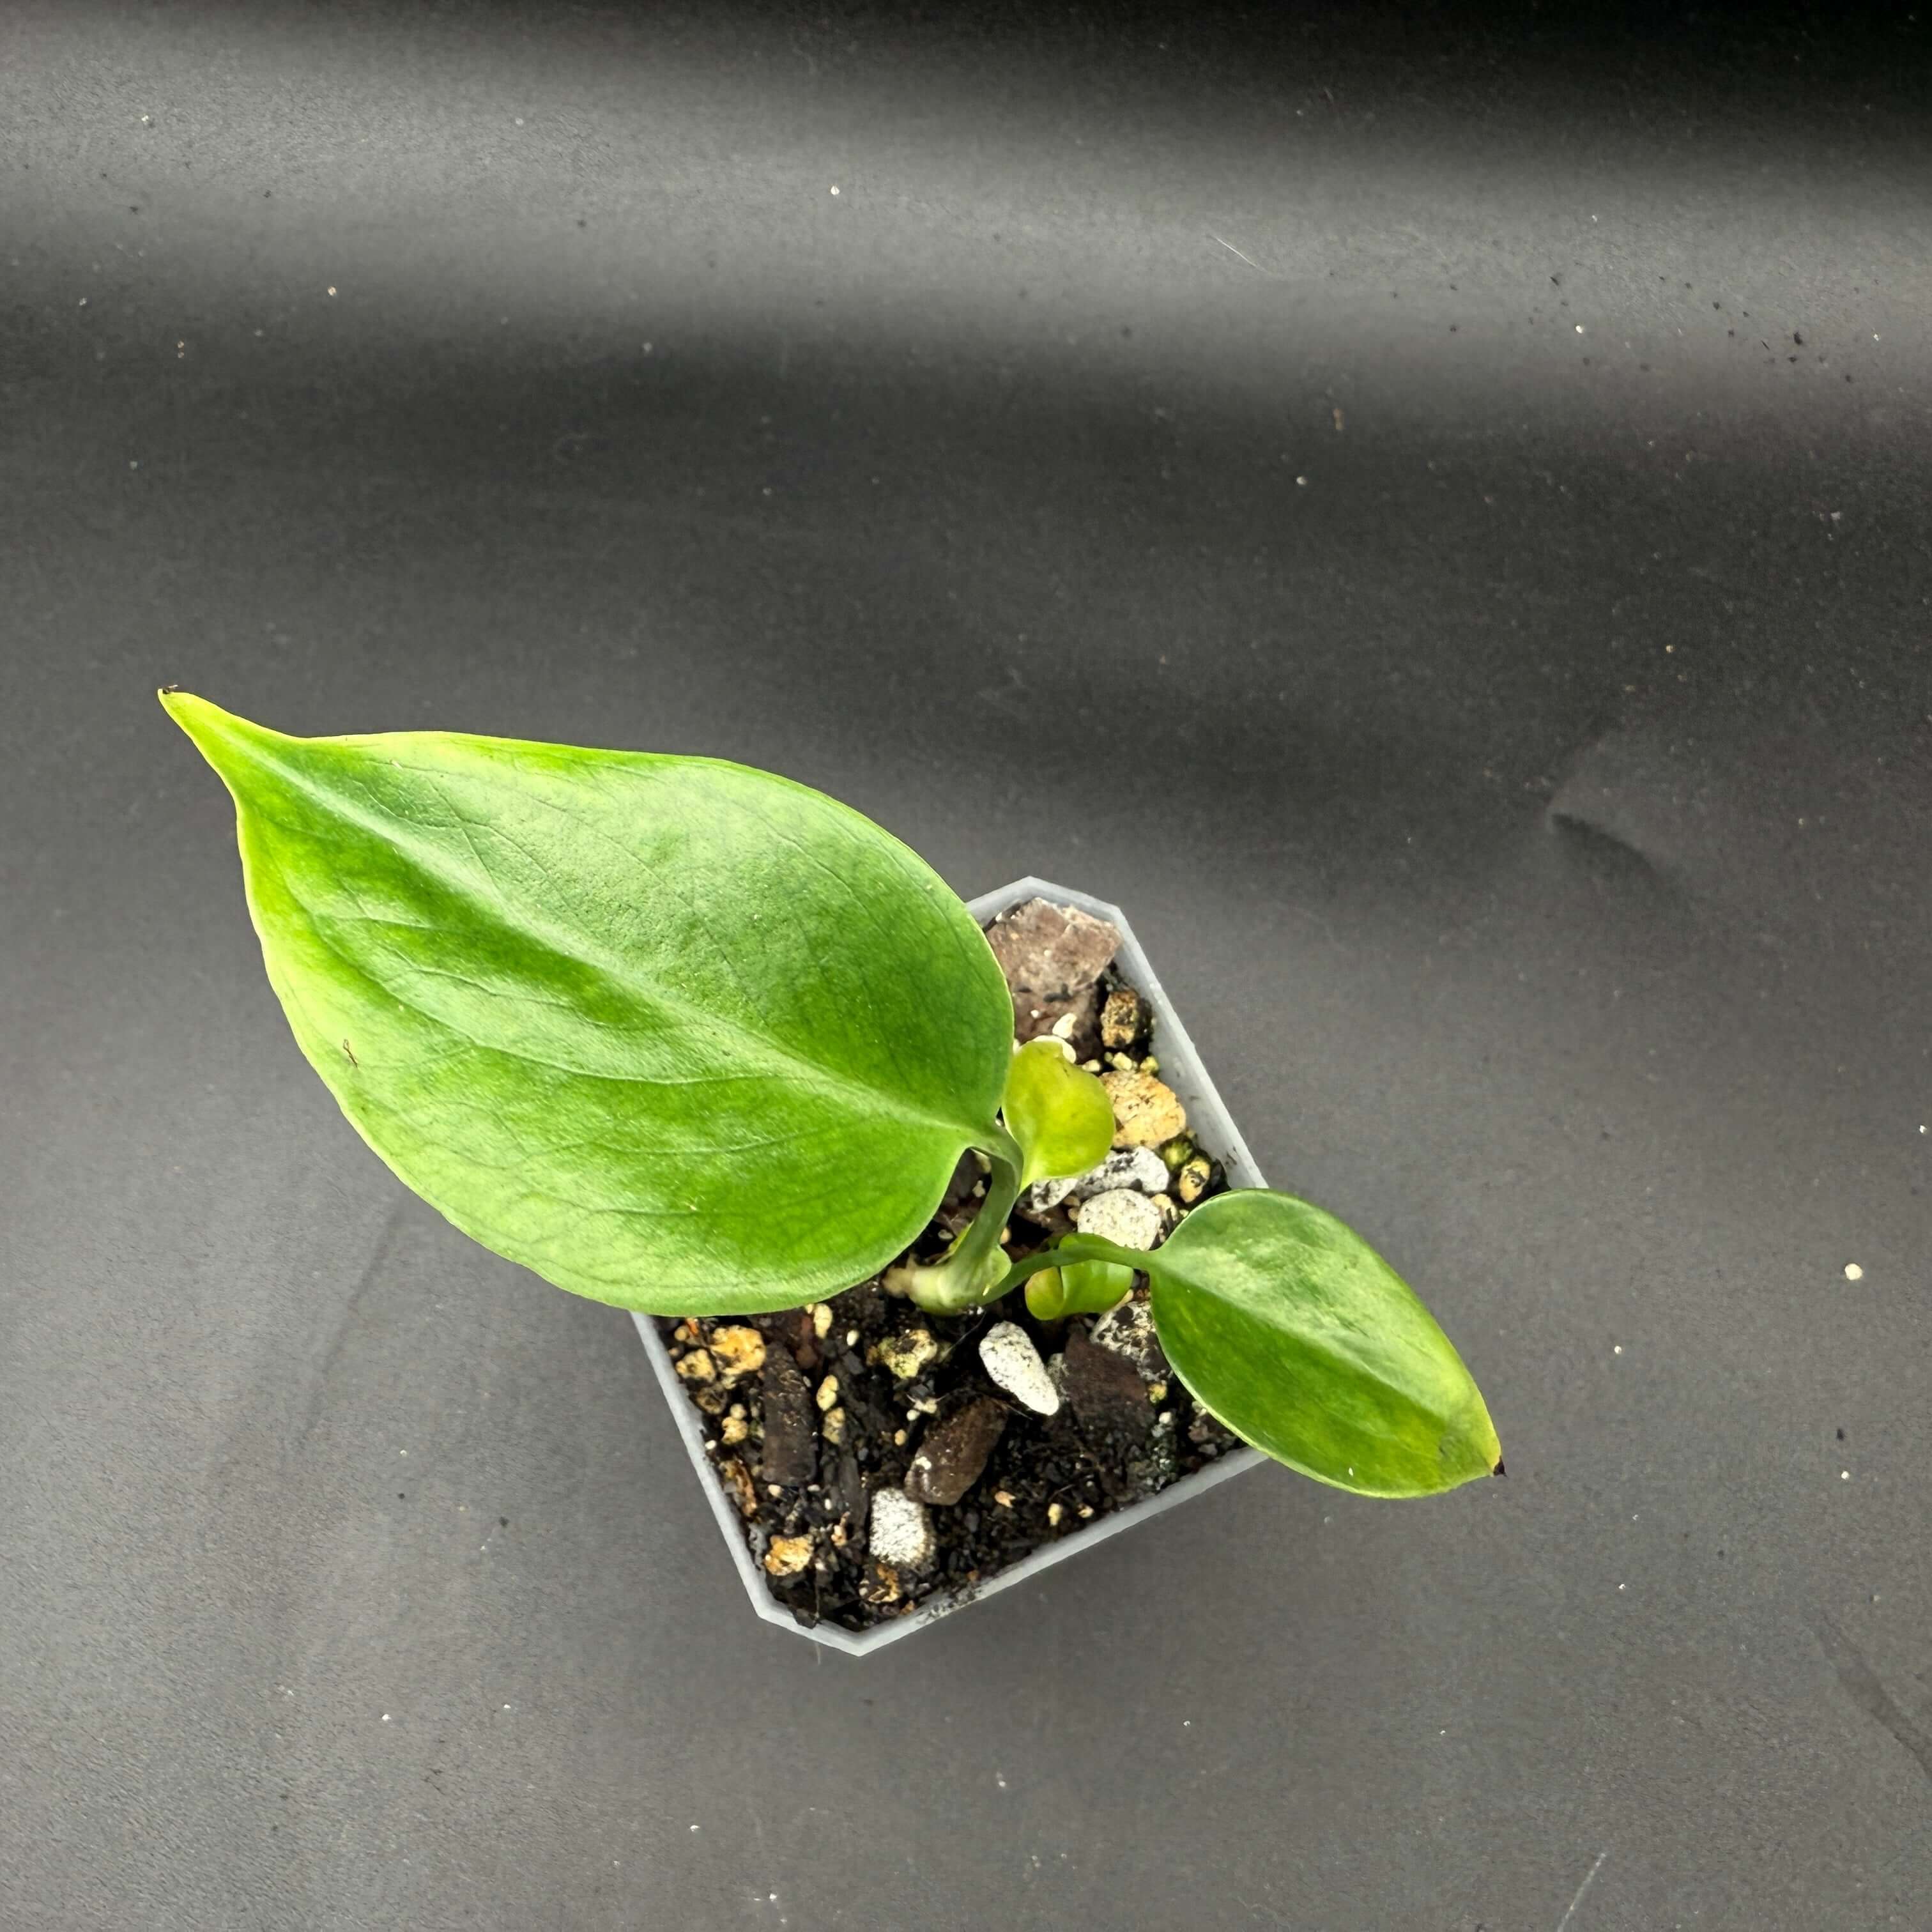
[
  {"x": 193, "y": 714},
  {"x": 220, "y": 736},
  {"x": 174, "y": 702},
  {"x": 1499, "y": 1470}
]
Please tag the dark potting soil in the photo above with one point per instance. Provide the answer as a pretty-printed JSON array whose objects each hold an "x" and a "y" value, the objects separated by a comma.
[{"x": 810, "y": 1413}]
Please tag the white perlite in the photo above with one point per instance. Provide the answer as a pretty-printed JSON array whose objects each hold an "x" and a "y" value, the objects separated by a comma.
[
  {"x": 901, "y": 1532},
  {"x": 1140, "y": 1167},
  {"x": 1128, "y": 1220},
  {"x": 1008, "y": 1356}
]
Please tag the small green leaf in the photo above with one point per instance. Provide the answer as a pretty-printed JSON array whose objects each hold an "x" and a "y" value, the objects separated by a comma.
[
  {"x": 1078, "y": 1288},
  {"x": 1058, "y": 1112},
  {"x": 1294, "y": 1331},
  {"x": 676, "y": 1034}
]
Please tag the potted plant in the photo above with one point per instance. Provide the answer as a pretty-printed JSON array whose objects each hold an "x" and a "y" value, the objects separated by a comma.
[{"x": 942, "y": 1273}]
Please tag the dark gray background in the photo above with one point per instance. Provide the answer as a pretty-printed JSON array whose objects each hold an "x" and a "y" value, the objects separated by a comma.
[{"x": 1530, "y": 811}]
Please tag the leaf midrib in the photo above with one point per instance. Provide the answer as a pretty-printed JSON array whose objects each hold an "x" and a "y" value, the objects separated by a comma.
[
  {"x": 1323, "y": 1352},
  {"x": 786, "y": 1063}
]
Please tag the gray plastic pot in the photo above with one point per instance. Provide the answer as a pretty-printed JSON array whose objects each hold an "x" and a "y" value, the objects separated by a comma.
[{"x": 1207, "y": 1120}]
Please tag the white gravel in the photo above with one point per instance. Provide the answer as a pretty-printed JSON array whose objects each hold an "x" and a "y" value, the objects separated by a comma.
[
  {"x": 901, "y": 1532},
  {"x": 1128, "y": 1220},
  {"x": 1134, "y": 1168},
  {"x": 1139, "y": 1168},
  {"x": 1007, "y": 1352}
]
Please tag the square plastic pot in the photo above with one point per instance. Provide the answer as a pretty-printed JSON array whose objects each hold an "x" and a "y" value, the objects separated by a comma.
[{"x": 1207, "y": 1120}]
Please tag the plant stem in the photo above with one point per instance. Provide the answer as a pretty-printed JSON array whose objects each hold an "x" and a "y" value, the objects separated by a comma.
[
  {"x": 1034, "y": 1264},
  {"x": 969, "y": 1272},
  {"x": 1070, "y": 1248}
]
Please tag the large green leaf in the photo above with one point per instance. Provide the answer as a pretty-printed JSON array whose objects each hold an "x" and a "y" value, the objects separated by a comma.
[
  {"x": 674, "y": 1034},
  {"x": 1294, "y": 1331}
]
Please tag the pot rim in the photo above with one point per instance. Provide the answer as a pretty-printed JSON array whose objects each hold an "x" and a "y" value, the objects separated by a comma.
[{"x": 1208, "y": 1117}]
